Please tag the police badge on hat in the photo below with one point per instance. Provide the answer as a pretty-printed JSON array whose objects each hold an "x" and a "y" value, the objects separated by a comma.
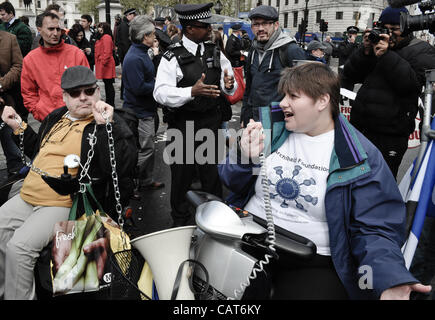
[
  {"x": 195, "y": 12},
  {"x": 352, "y": 29}
]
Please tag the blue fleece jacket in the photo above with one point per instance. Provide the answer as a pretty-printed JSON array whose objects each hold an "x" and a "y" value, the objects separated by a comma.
[{"x": 138, "y": 76}]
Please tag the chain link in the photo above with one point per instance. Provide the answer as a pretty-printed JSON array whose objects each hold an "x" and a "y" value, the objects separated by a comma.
[{"x": 111, "y": 142}]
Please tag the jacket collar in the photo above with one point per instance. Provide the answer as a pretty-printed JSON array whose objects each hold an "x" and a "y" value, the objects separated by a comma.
[
  {"x": 348, "y": 151},
  {"x": 347, "y": 145},
  {"x": 141, "y": 46},
  {"x": 57, "y": 47}
]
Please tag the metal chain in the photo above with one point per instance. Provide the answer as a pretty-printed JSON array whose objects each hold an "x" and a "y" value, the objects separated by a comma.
[
  {"x": 84, "y": 172},
  {"x": 111, "y": 142}
]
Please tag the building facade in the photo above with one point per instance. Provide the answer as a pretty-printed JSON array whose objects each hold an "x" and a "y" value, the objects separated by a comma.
[
  {"x": 339, "y": 13},
  {"x": 72, "y": 13}
]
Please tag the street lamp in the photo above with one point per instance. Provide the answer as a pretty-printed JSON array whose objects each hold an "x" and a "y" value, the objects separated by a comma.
[
  {"x": 107, "y": 11},
  {"x": 306, "y": 20},
  {"x": 218, "y": 7}
]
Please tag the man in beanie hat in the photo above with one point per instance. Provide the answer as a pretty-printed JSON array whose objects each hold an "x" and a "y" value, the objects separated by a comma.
[
  {"x": 45, "y": 198},
  {"x": 392, "y": 75},
  {"x": 272, "y": 50},
  {"x": 191, "y": 79}
]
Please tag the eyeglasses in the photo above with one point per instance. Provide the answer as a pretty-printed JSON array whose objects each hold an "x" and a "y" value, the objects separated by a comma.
[
  {"x": 263, "y": 24},
  {"x": 75, "y": 93}
]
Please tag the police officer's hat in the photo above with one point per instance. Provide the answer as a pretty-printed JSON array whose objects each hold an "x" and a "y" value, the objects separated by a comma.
[
  {"x": 236, "y": 27},
  {"x": 129, "y": 11},
  {"x": 195, "y": 12},
  {"x": 352, "y": 29},
  {"x": 160, "y": 20}
]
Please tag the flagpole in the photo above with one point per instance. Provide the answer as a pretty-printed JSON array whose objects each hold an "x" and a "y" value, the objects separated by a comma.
[{"x": 426, "y": 133}]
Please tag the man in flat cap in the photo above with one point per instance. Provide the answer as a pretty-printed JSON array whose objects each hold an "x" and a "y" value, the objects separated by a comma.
[
  {"x": 45, "y": 199},
  {"x": 234, "y": 47},
  {"x": 316, "y": 51},
  {"x": 272, "y": 50},
  {"x": 191, "y": 78},
  {"x": 122, "y": 40}
]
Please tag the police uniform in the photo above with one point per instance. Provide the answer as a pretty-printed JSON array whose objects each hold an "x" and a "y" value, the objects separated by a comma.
[{"x": 180, "y": 68}]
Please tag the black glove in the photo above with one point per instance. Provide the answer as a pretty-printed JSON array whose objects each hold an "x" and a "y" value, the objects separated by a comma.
[{"x": 63, "y": 186}]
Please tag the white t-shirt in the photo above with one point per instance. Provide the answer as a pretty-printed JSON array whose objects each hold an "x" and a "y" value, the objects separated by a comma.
[{"x": 297, "y": 174}]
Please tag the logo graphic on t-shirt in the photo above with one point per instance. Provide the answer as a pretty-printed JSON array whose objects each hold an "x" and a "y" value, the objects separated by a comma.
[{"x": 290, "y": 189}]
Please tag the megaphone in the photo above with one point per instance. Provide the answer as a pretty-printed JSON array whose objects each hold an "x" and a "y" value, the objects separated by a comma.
[{"x": 165, "y": 251}]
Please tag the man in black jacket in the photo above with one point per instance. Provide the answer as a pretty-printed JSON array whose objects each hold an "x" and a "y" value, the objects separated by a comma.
[
  {"x": 122, "y": 40},
  {"x": 272, "y": 50},
  {"x": 345, "y": 50},
  {"x": 44, "y": 199},
  {"x": 392, "y": 75},
  {"x": 234, "y": 46}
]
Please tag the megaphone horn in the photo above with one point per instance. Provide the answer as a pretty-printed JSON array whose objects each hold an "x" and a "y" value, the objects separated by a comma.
[{"x": 165, "y": 251}]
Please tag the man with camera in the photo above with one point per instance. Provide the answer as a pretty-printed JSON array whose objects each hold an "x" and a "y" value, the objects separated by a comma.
[{"x": 390, "y": 65}]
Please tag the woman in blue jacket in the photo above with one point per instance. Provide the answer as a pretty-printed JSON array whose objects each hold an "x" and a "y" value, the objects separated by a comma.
[{"x": 328, "y": 183}]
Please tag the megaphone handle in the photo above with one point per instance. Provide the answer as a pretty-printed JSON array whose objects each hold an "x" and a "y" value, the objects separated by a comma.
[{"x": 177, "y": 280}]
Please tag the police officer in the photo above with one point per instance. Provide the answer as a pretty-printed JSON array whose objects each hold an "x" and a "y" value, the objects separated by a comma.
[
  {"x": 190, "y": 80},
  {"x": 345, "y": 50},
  {"x": 234, "y": 46}
]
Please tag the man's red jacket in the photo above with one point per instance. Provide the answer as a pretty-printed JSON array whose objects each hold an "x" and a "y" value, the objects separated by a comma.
[{"x": 41, "y": 74}]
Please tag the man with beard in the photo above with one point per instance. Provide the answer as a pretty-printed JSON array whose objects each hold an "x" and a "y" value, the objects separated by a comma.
[
  {"x": 272, "y": 50},
  {"x": 392, "y": 75},
  {"x": 189, "y": 81}
]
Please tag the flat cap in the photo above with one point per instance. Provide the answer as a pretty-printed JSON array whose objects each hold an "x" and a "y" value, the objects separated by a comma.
[
  {"x": 314, "y": 45},
  {"x": 131, "y": 10},
  {"x": 264, "y": 12},
  {"x": 77, "y": 76},
  {"x": 352, "y": 29},
  {"x": 236, "y": 26},
  {"x": 195, "y": 12}
]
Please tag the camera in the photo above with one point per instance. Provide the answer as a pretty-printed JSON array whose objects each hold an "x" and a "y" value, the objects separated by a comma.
[
  {"x": 375, "y": 34},
  {"x": 423, "y": 21}
]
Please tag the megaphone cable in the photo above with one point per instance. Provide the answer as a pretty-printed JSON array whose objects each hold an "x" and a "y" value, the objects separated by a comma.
[{"x": 270, "y": 232}]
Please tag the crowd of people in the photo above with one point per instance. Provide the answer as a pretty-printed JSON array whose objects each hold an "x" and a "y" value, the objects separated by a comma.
[{"x": 352, "y": 209}]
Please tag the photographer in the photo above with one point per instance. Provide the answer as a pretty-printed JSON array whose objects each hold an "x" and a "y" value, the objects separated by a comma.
[{"x": 390, "y": 65}]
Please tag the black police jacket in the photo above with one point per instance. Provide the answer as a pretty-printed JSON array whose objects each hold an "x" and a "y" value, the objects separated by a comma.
[{"x": 192, "y": 67}]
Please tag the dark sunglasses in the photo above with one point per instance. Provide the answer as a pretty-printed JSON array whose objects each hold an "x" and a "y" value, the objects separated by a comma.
[{"x": 75, "y": 93}]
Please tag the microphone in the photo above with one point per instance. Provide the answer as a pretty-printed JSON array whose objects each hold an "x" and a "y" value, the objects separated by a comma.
[{"x": 401, "y": 3}]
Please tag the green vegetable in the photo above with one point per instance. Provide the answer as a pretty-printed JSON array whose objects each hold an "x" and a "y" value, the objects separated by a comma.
[
  {"x": 91, "y": 276},
  {"x": 70, "y": 261},
  {"x": 66, "y": 282}
]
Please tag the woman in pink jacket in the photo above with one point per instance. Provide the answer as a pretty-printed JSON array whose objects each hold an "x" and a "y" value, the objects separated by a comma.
[{"x": 104, "y": 62}]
